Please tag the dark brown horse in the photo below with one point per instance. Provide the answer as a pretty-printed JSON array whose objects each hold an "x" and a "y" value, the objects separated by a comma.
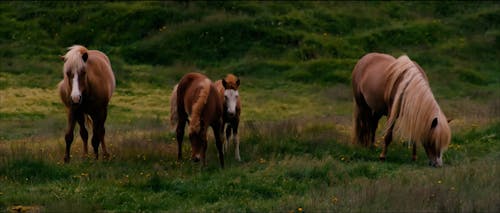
[
  {"x": 86, "y": 89},
  {"x": 195, "y": 100},
  {"x": 399, "y": 89},
  {"x": 228, "y": 88}
]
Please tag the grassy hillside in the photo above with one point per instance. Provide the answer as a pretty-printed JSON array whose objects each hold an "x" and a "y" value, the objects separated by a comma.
[{"x": 294, "y": 60}]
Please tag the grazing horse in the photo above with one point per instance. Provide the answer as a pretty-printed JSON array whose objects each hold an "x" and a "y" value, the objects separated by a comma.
[
  {"x": 399, "y": 89},
  {"x": 228, "y": 88},
  {"x": 196, "y": 100},
  {"x": 86, "y": 89}
]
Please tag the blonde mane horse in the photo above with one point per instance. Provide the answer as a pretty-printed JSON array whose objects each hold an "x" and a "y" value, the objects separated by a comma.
[
  {"x": 399, "y": 89},
  {"x": 228, "y": 88},
  {"x": 85, "y": 90},
  {"x": 196, "y": 101}
]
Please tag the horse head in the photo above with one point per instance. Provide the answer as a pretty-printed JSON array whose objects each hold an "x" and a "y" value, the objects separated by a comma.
[
  {"x": 231, "y": 84},
  {"x": 75, "y": 72},
  {"x": 438, "y": 142}
]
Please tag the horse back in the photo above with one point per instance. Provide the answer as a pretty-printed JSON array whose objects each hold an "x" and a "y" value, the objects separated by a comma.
[
  {"x": 100, "y": 75},
  {"x": 369, "y": 80},
  {"x": 189, "y": 91}
]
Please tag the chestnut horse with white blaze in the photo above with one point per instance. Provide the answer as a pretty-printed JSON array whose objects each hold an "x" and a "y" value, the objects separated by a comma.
[
  {"x": 228, "y": 88},
  {"x": 196, "y": 101},
  {"x": 399, "y": 89},
  {"x": 86, "y": 89}
]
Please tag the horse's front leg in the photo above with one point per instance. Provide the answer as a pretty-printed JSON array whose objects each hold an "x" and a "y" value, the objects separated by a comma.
[
  {"x": 387, "y": 141},
  {"x": 69, "y": 134},
  {"x": 83, "y": 134},
  {"x": 98, "y": 132}
]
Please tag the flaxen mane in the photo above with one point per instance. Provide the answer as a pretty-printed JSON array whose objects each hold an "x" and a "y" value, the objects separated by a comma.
[
  {"x": 414, "y": 106},
  {"x": 73, "y": 58}
]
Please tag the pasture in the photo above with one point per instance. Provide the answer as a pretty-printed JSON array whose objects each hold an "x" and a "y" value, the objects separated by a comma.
[{"x": 294, "y": 60}]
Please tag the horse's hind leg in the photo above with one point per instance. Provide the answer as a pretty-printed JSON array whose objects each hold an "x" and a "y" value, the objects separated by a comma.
[
  {"x": 98, "y": 133},
  {"x": 84, "y": 134},
  {"x": 68, "y": 137},
  {"x": 180, "y": 136},
  {"x": 362, "y": 122},
  {"x": 387, "y": 141}
]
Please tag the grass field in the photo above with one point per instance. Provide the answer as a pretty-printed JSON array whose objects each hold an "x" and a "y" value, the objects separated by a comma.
[{"x": 294, "y": 60}]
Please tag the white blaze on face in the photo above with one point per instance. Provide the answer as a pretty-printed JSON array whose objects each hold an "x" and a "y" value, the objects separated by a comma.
[
  {"x": 439, "y": 160},
  {"x": 76, "y": 95},
  {"x": 231, "y": 98}
]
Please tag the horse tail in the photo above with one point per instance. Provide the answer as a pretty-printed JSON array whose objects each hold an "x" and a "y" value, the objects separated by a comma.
[
  {"x": 174, "y": 114},
  {"x": 362, "y": 122},
  {"x": 204, "y": 91},
  {"x": 357, "y": 125},
  {"x": 88, "y": 122}
]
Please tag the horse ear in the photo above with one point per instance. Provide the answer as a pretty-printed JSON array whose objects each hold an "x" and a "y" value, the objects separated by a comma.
[
  {"x": 434, "y": 123},
  {"x": 238, "y": 82},
  {"x": 85, "y": 56},
  {"x": 224, "y": 83},
  {"x": 62, "y": 58}
]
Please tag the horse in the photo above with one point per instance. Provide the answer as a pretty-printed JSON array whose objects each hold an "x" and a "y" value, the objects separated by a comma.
[
  {"x": 195, "y": 100},
  {"x": 86, "y": 90},
  {"x": 399, "y": 89},
  {"x": 228, "y": 88}
]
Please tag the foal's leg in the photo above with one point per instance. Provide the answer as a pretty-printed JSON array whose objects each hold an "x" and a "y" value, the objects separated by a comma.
[
  {"x": 84, "y": 134},
  {"x": 228, "y": 137},
  {"x": 387, "y": 141},
  {"x": 236, "y": 139},
  {"x": 181, "y": 124},
  {"x": 69, "y": 134}
]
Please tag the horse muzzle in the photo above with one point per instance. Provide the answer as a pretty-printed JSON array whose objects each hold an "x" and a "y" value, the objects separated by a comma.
[
  {"x": 76, "y": 100},
  {"x": 436, "y": 163}
]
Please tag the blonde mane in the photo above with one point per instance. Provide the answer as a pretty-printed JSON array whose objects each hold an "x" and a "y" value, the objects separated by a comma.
[
  {"x": 73, "y": 58},
  {"x": 414, "y": 106}
]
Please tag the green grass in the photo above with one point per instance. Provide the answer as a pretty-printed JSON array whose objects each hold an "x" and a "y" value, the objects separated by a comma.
[{"x": 294, "y": 60}]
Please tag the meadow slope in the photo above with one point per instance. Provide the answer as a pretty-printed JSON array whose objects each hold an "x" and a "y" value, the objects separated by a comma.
[{"x": 294, "y": 60}]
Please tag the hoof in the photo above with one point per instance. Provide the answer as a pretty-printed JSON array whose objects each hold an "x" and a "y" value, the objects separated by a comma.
[
  {"x": 381, "y": 158},
  {"x": 66, "y": 159},
  {"x": 106, "y": 156}
]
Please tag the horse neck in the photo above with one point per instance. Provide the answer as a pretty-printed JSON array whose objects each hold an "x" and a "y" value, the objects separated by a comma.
[{"x": 416, "y": 107}]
